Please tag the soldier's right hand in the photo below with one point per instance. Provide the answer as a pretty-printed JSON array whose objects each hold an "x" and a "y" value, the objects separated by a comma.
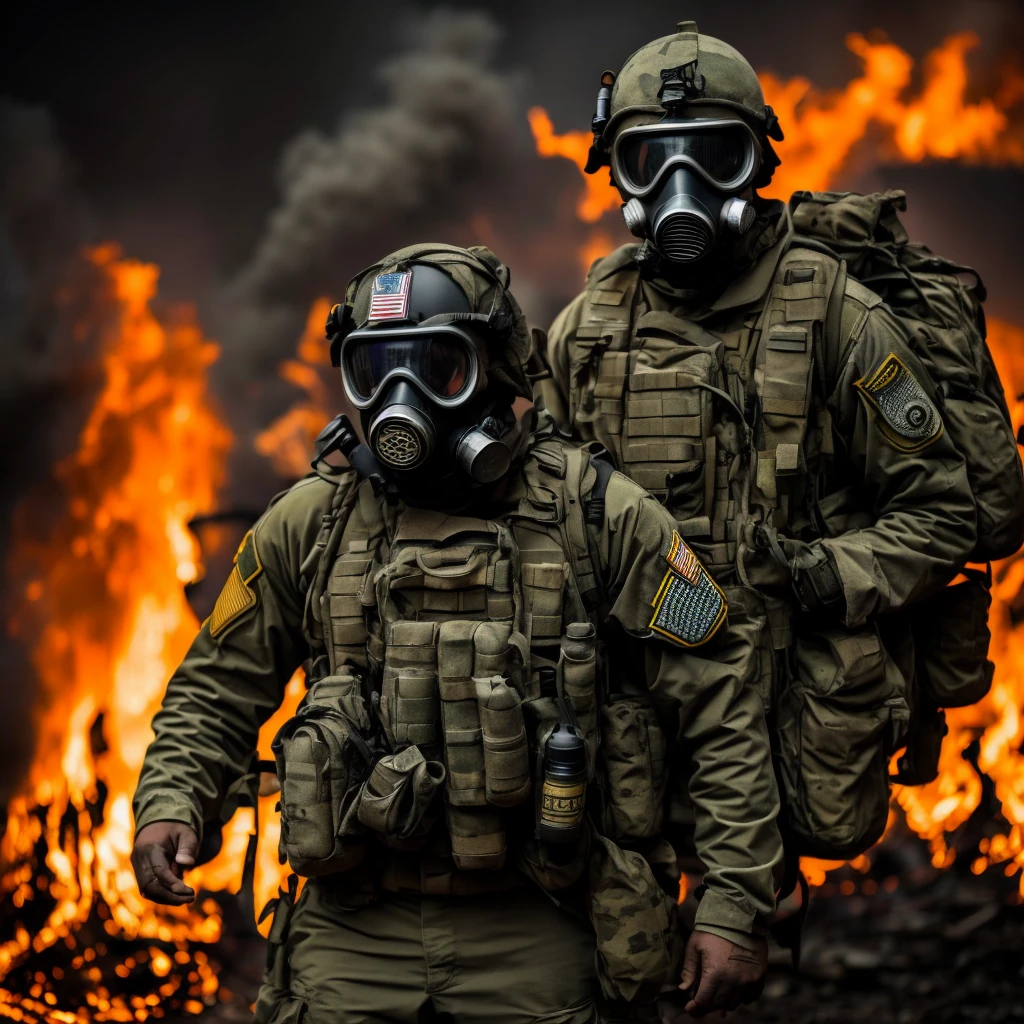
[
  {"x": 719, "y": 975},
  {"x": 162, "y": 852}
]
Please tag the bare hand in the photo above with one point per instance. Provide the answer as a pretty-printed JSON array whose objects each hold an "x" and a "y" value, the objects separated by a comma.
[
  {"x": 161, "y": 854},
  {"x": 719, "y": 975}
]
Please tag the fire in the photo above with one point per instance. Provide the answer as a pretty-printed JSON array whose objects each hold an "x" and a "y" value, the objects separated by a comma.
[
  {"x": 822, "y": 128},
  {"x": 105, "y": 613},
  {"x": 288, "y": 441},
  {"x": 874, "y": 119}
]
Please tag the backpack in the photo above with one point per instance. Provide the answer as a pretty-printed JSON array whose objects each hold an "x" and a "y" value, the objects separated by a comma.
[
  {"x": 944, "y": 318},
  {"x": 846, "y": 709}
]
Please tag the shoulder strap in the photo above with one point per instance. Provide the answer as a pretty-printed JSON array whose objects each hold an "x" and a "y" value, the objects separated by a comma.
[
  {"x": 582, "y": 512},
  {"x": 791, "y": 331},
  {"x": 329, "y": 540}
]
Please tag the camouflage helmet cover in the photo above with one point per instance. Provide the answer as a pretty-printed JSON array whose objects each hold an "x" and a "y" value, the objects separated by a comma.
[
  {"x": 482, "y": 278},
  {"x": 684, "y": 75}
]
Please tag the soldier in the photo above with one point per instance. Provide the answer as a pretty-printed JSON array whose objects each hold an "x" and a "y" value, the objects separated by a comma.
[
  {"x": 774, "y": 406},
  {"x": 474, "y": 788}
]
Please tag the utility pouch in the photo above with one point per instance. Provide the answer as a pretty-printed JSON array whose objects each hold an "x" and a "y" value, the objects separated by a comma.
[
  {"x": 578, "y": 667},
  {"x": 323, "y": 756},
  {"x": 506, "y": 753},
  {"x": 632, "y": 772},
  {"x": 399, "y": 800},
  {"x": 409, "y": 693},
  {"x": 951, "y": 639},
  {"x": 638, "y": 943},
  {"x": 839, "y": 721}
]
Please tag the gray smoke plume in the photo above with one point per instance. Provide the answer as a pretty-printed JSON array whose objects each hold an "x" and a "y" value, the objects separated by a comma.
[
  {"x": 45, "y": 383},
  {"x": 447, "y": 113}
]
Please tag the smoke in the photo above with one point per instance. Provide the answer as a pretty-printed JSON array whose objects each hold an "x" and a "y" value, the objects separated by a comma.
[
  {"x": 45, "y": 385},
  {"x": 447, "y": 113}
]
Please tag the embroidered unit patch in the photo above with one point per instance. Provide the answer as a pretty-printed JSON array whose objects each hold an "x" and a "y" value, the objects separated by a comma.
[
  {"x": 237, "y": 596},
  {"x": 907, "y": 418},
  {"x": 689, "y": 606},
  {"x": 389, "y": 299}
]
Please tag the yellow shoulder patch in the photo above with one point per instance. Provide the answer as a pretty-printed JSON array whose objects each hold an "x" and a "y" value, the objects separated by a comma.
[
  {"x": 689, "y": 606},
  {"x": 237, "y": 597},
  {"x": 906, "y": 416}
]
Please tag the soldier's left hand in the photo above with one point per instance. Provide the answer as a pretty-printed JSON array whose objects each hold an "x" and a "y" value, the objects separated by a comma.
[{"x": 719, "y": 975}]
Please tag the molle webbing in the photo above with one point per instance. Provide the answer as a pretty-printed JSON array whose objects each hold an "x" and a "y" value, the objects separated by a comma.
[
  {"x": 791, "y": 332},
  {"x": 603, "y": 340}
]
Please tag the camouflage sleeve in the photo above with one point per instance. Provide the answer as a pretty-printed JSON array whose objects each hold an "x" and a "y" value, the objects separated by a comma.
[
  {"x": 920, "y": 524},
  {"x": 553, "y": 394},
  {"x": 697, "y": 673},
  {"x": 233, "y": 676}
]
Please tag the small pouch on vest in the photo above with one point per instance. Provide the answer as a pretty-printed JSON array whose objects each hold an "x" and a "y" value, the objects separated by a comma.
[
  {"x": 578, "y": 667},
  {"x": 409, "y": 704},
  {"x": 951, "y": 638},
  {"x": 638, "y": 943},
  {"x": 322, "y": 759},
  {"x": 506, "y": 752},
  {"x": 839, "y": 721},
  {"x": 632, "y": 774},
  {"x": 399, "y": 801},
  {"x": 460, "y": 716}
]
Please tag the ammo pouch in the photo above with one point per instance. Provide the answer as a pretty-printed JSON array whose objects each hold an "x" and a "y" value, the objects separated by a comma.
[
  {"x": 632, "y": 770},
  {"x": 399, "y": 799},
  {"x": 322, "y": 757},
  {"x": 951, "y": 638},
  {"x": 634, "y": 919},
  {"x": 839, "y": 720}
]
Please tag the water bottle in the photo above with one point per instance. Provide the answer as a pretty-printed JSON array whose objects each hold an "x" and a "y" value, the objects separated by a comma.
[{"x": 564, "y": 791}]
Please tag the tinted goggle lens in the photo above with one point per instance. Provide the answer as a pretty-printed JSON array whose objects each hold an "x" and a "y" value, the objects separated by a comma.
[
  {"x": 722, "y": 152},
  {"x": 442, "y": 364}
]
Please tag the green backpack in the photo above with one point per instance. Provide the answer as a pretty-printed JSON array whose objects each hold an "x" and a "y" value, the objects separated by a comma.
[
  {"x": 859, "y": 695},
  {"x": 943, "y": 315}
]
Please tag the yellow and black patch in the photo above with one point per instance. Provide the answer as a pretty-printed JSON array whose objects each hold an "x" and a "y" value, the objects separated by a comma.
[
  {"x": 906, "y": 417},
  {"x": 689, "y": 606},
  {"x": 237, "y": 597}
]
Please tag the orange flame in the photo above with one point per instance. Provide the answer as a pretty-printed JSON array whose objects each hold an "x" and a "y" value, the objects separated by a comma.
[
  {"x": 288, "y": 441},
  {"x": 106, "y": 612}
]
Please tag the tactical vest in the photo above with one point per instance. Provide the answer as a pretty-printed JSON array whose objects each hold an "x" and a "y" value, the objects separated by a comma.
[
  {"x": 674, "y": 400},
  {"x": 452, "y": 647}
]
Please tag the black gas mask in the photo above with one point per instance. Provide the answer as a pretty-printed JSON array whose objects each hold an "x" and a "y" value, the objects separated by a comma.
[
  {"x": 419, "y": 391},
  {"x": 684, "y": 180},
  {"x": 416, "y": 372}
]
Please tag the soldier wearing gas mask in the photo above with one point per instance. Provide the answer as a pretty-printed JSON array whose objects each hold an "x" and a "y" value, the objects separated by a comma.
[
  {"x": 777, "y": 408},
  {"x": 473, "y": 786}
]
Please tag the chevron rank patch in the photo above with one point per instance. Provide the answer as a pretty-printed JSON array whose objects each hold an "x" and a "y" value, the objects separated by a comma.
[
  {"x": 906, "y": 416},
  {"x": 237, "y": 597},
  {"x": 689, "y": 606}
]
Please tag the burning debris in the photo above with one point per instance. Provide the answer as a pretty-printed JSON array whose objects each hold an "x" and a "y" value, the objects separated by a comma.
[{"x": 101, "y": 555}]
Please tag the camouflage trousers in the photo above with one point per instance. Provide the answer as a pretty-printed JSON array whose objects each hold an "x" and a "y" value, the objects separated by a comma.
[{"x": 503, "y": 958}]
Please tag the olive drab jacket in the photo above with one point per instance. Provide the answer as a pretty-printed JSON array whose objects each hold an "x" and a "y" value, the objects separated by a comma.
[
  {"x": 668, "y": 382},
  {"x": 405, "y": 600},
  {"x": 789, "y": 428}
]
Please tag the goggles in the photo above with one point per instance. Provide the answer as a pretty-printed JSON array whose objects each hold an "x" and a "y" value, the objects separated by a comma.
[
  {"x": 726, "y": 153},
  {"x": 440, "y": 358}
]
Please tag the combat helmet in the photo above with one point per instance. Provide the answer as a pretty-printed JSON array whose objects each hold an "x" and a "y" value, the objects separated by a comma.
[
  {"x": 433, "y": 349},
  {"x": 684, "y": 75}
]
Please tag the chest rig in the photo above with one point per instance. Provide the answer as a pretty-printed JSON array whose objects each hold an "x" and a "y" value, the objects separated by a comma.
[
  {"x": 718, "y": 418},
  {"x": 468, "y": 641}
]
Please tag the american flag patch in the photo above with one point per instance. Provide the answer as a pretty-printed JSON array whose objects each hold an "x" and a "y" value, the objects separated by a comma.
[
  {"x": 389, "y": 299},
  {"x": 683, "y": 560}
]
